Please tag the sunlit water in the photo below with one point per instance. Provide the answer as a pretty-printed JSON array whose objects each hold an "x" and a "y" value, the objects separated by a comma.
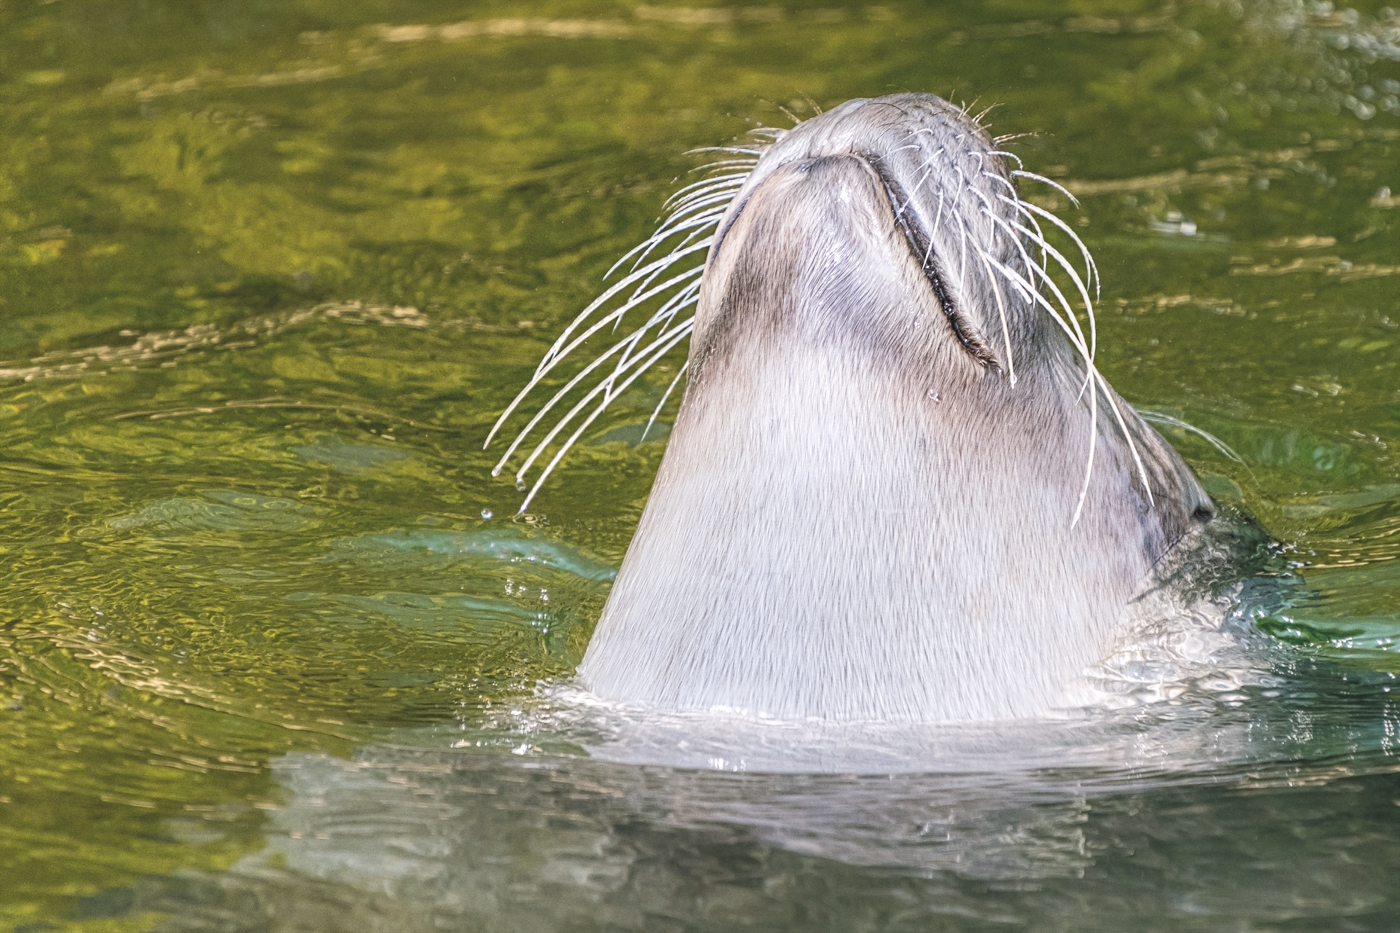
[{"x": 275, "y": 654}]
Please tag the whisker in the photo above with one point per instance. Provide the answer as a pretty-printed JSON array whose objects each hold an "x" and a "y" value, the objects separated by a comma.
[
  {"x": 738, "y": 150},
  {"x": 715, "y": 201},
  {"x": 1001, "y": 309},
  {"x": 1157, "y": 417},
  {"x": 1017, "y": 204},
  {"x": 716, "y": 182},
  {"x": 1047, "y": 252},
  {"x": 644, "y": 276},
  {"x": 563, "y": 346},
  {"x": 701, "y": 196},
  {"x": 722, "y": 163},
  {"x": 1096, "y": 377},
  {"x": 1091, "y": 267},
  {"x": 1127, "y": 436},
  {"x": 1073, "y": 273},
  {"x": 1053, "y": 184},
  {"x": 549, "y": 405},
  {"x": 692, "y": 214},
  {"x": 684, "y": 298},
  {"x": 929, "y": 166},
  {"x": 1045, "y": 277},
  {"x": 680, "y": 332},
  {"x": 604, "y": 387},
  {"x": 1078, "y": 343},
  {"x": 664, "y": 396},
  {"x": 697, "y": 225},
  {"x": 1006, "y": 155}
]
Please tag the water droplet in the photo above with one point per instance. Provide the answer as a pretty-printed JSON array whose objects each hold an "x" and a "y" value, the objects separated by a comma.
[{"x": 487, "y": 514}]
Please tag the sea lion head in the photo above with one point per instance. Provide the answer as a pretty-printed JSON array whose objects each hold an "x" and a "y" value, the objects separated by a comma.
[{"x": 897, "y": 487}]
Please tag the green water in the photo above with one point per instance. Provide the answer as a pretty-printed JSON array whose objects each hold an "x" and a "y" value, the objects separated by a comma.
[{"x": 268, "y": 272}]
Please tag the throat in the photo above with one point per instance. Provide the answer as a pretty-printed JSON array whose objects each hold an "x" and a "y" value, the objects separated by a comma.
[{"x": 823, "y": 541}]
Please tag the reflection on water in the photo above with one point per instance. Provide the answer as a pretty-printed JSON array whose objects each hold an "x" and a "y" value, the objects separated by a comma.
[
  {"x": 1261, "y": 792},
  {"x": 275, "y": 655},
  {"x": 1279, "y": 814}
]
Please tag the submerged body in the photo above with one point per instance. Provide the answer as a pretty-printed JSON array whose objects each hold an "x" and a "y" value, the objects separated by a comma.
[{"x": 896, "y": 488}]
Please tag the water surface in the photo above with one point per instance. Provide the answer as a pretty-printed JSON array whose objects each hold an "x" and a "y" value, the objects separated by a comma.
[{"x": 268, "y": 271}]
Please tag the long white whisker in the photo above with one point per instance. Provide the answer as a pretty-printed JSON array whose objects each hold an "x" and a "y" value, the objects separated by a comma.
[
  {"x": 640, "y": 277},
  {"x": 684, "y": 298},
  {"x": 993, "y": 176},
  {"x": 1089, "y": 463},
  {"x": 756, "y": 153},
  {"x": 561, "y": 349},
  {"x": 712, "y": 202},
  {"x": 1091, "y": 267},
  {"x": 1039, "y": 237},
  {"x": 1001, "y": 309},
  {"x": 1008, "y": 155},
  {"x": 932, "y": 232},
  {"x": 962, "y": 250},
  {"x": 703, "y": 190},
  {"x": 603, "y": 387},
  {"x": 1076, "y": 338},
  {"x": 1127, "y": 436},
  {"x": 716, "y": 181},
  {"x": 620, "y": 285},
  {"x": 1097, "y": 377},
  {"x": 1157, "y": 417},
  {"x": 1073, "y": 273},
  {"x": 692, "y": 214},
  {"x": 680, "y": 334},
  {"x": 664, "y": 396},
  {"x": 1077, "y": 341},
  {"x": 1044, "y": 276},
  {"x": 1064, "y": 264},
  {"x": 929, "y": 167},
  {"x": 1046, "y": 181},
  {"x": 702, "y": 201},
  {"x": 661, "y": 236},
  {"x": 637, "y": 298},
  {"x": 724, "y": 163},
  {"x": 697, "y": 225},
  {"x": 549, "y": 405},
  {"x": 675, "y": 255}
]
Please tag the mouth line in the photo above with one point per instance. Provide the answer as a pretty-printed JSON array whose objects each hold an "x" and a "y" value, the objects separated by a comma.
[{"x": 920, "y": 245}]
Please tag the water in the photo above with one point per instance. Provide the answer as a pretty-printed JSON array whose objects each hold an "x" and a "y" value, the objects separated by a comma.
[{"x": 270, "y": 639}]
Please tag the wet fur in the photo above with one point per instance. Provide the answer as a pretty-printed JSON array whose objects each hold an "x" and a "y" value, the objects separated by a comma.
[{"x": 861, "y": 514}]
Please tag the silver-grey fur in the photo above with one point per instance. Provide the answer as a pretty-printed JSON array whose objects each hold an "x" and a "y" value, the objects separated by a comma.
[{"x": 897, "y": 487}]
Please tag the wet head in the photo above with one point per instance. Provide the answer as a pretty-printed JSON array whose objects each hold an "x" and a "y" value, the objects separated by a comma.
[{"x": 897, "y": 487}]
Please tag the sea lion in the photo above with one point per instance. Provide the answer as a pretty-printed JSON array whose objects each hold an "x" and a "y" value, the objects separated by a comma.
[{"x": 897, "y": 488}]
